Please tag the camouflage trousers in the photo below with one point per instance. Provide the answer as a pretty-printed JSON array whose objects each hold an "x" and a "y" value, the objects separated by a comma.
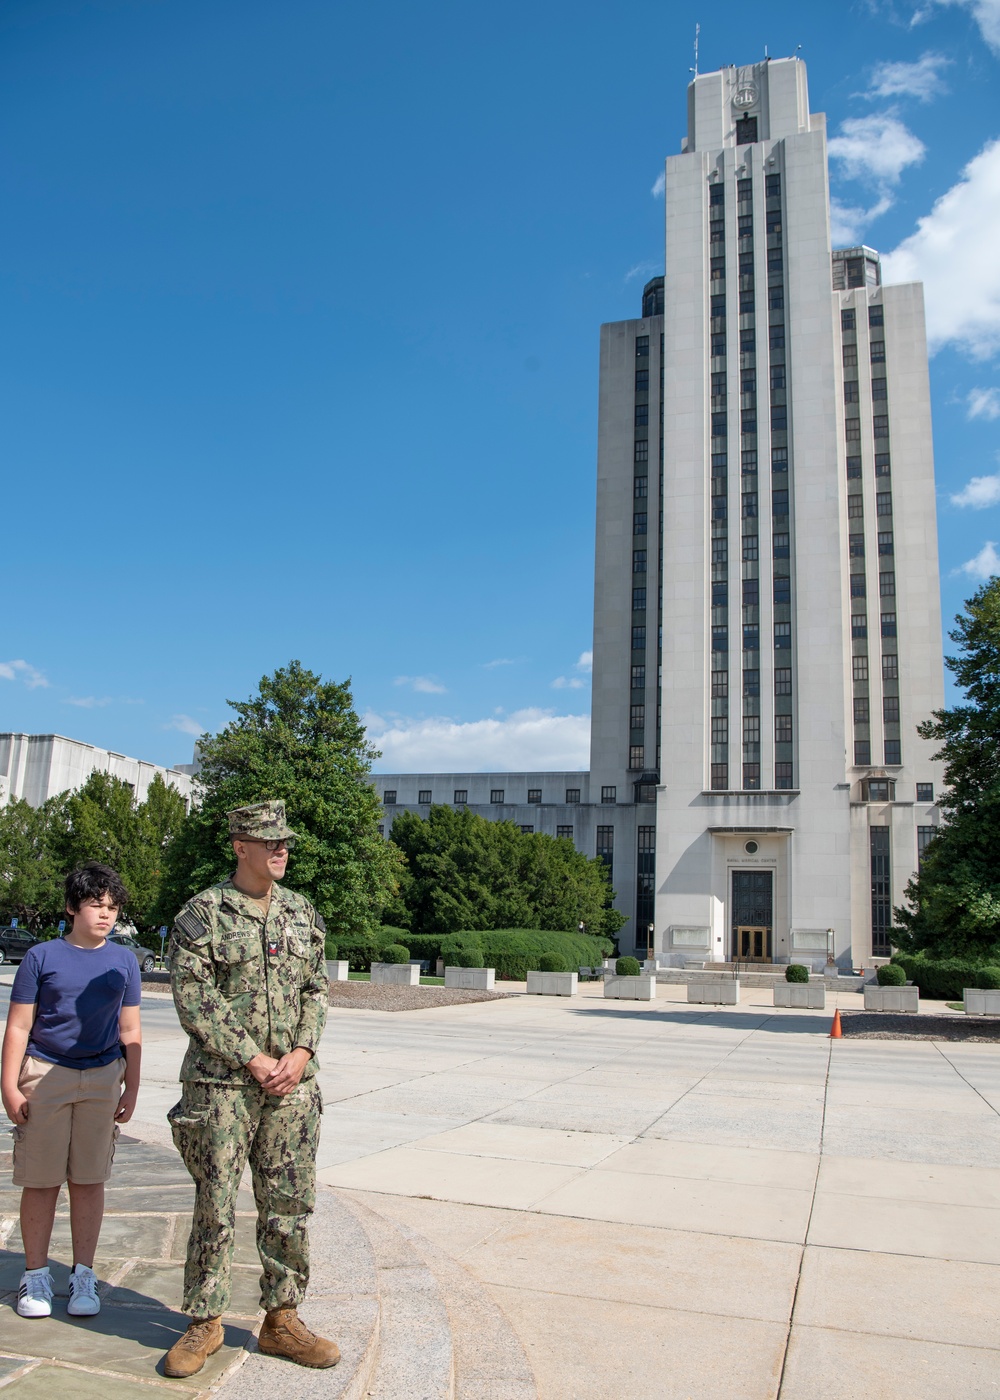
[{"x": 216, "y": 1129}]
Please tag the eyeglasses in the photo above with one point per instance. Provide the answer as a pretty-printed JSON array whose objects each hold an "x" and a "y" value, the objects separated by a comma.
[{"x": 286, "y": 843}]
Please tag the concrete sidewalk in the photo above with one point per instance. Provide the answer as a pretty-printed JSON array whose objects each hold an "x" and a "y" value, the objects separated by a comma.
[{"x": 663, "y": 1201}]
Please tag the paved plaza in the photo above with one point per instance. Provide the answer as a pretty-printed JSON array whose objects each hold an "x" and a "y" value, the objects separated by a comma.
[{"x": 658, "y": 1201}]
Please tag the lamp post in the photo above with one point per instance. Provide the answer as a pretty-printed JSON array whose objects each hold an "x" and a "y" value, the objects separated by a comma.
[
  {"x": 830, "y": 961},
  {"x": 650, "y": 935}
]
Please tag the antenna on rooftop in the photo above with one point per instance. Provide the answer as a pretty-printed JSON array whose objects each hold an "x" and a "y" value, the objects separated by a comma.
[{"x": 697, "y": 31}]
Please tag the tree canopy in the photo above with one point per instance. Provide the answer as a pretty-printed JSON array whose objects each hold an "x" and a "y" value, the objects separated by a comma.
[
  {"x": 298, "y": 739},
  {"x": 953, "y": 903},
  {"x": 98, "y": 821},
  {"x": 466, "y": 872}
]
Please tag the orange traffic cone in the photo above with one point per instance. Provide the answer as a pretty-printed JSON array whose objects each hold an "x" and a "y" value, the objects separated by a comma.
[{"x": 836, "y": 1031}]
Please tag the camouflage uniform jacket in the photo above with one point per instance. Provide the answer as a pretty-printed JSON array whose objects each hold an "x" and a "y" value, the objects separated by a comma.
[{"x": 244, "y": 985}]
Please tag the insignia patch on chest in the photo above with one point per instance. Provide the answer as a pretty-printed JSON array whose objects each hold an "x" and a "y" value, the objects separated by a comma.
[{"x": 272, "y": 947}]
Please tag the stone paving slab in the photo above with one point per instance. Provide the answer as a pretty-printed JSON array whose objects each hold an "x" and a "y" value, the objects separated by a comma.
[{"x": 42, "y": 1382}]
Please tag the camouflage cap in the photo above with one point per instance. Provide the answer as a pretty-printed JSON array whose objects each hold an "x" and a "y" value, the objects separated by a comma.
[{"x": 261, "y": 821}]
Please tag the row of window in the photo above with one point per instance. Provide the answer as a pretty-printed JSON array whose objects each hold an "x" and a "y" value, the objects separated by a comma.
[
  {"x": 852, "y": 390},
  {"x": 751, "y": 729},
  {"x": 884, "y": 790},
  {"x": 856, "y": 544},
  {"x": 890, "y": 709},
  {"x": 497, "y": 796},
  {"x": 859, "y": 624},
  {"x": 849, "y": 318},
  {"x": 882, "y": 466},
  {"x": 863, "y": 752},
  {"x": 719, "y": 776},
  {"x": 876, "y": 354},
  {"x": 751, "y": 682},
  {"x": 880, "y": 427},
  {"x": 750, "y": 592},
  {"x": 751, "y": 636}
]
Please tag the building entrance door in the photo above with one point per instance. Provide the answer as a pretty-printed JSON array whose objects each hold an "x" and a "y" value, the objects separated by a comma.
[{"x": 752, "y": 915}]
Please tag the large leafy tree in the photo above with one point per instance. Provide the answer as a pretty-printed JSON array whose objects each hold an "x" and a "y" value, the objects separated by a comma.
[
  {"x": 465, "y": 872},
  {"x": 954, "y": 901},
  {"x": 30, "y": 877},
  {"x": 298, "y": 739},
  {"x": 101, "y": 821}
]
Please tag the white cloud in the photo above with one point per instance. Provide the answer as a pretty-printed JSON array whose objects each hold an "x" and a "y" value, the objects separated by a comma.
[
  {"x": 659, "y": 185},
  {"x": 876, "y": 148},
  {"x": 502, "y": 661},
  {"x": 984, "y": 565},
  {"x": 568, "y": 683},
  {"x": 424, "y": 685},
  {"x": 23, "y": 671},
  {"x": 986, "y": 13},
  {"x": 849, "y": 221},
  {"x": 186, "y": 725},
  {"x": 982, "y": 491},
  {"x": 643, "y": 269},
  {"x": 984, "y": 403},
  {"x": 921, "y": 79},
  {"x": 527, "y": 740},
  {"x": 87, "y": 702},
  {"x": 954, "y": 253}
]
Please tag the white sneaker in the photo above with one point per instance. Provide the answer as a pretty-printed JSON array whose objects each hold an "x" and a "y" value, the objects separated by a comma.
[
  {"x": 34, "y": 1296},
  {"x": 83, "y": 1299}
]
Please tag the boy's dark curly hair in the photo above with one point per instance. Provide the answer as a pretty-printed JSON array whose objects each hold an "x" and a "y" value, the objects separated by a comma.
[{"x": 94, "y": 881}]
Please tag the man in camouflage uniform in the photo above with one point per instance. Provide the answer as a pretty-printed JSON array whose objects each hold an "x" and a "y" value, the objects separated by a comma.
[{"x": 248, "y": 976}]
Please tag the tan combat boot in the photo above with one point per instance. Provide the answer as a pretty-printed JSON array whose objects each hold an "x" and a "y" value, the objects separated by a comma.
[
  {"x": 283, "y": 1333},
  {"x": 189, "y": 1353}
]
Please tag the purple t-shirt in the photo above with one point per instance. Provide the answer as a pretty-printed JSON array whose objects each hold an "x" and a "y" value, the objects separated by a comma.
[{"x": 80, "y": 993}]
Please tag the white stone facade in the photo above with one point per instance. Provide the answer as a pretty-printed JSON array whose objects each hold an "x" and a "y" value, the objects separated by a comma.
[
  {"x": 35, "y": 767},
  {"x": 767, "y": 630}
]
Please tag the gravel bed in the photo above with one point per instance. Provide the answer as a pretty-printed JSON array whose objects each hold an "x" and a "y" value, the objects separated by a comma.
[
  {"x": 887, "y": 1025},
  {"x": 376, "y": 996}
]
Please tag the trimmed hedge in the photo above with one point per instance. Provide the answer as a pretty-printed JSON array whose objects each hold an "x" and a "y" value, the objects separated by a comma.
[
  {"x": 552, "y": 962},
  {"x": 795, "y": 972},
  {"x": 628, "y": 967},
  {"x": 393, "y": 953},
  {"x": 945, "y": 979},
  {"x": 512, "y": 951},
  {"x": 462, "y": 950}
]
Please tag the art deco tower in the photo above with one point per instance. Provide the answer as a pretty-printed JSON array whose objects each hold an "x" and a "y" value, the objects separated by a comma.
[{"x": 767, "y": 623}]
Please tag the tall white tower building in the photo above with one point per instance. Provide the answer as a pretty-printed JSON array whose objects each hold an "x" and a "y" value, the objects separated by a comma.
[
  {"x": 767, "y": 624},
  {"x": 767, "y": 630}
]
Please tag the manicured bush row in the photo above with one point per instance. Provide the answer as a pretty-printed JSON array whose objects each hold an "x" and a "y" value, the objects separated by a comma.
[
  {"x": 945, "y": 979},
  {"x": 795, "y": 972},
  {"x": 512, "y": 951}
]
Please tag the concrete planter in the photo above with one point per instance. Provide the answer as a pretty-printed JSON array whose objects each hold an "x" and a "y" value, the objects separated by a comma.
[
  {"x": 800, "y": 994},
  {"x": 892, "y": 999},
  {"x": 649, "y": 967},
  {"x": 630, "y": 988},
  {"x": 722, "y": 993},
  {"x": 552, "y": 984},
  {"x": 337, "y": 971},
  {"x": 981, "y": 1003},
  {"x": 470, "y": 979},
  {"x": 396, "y": 974}
]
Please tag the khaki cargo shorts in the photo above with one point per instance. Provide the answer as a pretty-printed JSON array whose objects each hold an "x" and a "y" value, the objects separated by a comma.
[{"x": 71, "y": 1131}]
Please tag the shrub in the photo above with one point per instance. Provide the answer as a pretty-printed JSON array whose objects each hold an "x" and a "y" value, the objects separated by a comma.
[
  {"x": 795, "y": 972},
  {"x": 462, "y": 950},
  {"x": 988, "y": 979},
  {"x": 552, "y": 962},
  {"x": 515, "y": 952},
  {"x": 943, "y": 979},
  {"x": 330, "y": 950},
  {"x": 891, "y": 975},
  {"x": 627, "y": 967},
  {"x": 394, "y": 953}
]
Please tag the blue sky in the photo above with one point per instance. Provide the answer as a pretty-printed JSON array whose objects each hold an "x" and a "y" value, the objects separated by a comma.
[{"x": 301, "y": 308}]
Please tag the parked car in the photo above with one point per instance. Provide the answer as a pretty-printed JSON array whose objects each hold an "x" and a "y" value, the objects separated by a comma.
[
  {"x": 14, "y": 943},
  {"x": 145, "y": 958}
]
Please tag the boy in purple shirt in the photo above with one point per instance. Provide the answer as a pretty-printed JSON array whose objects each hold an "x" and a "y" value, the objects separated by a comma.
[{"x": 69, "y": 1074}]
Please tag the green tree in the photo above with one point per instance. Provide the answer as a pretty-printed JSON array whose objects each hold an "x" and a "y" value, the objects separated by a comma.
[
  {"x": 30, "y": 879},
  {"x": 465, "y": 872},
  {"x": 953, "y": 903},
  {"x": 298, "y": 739}
]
